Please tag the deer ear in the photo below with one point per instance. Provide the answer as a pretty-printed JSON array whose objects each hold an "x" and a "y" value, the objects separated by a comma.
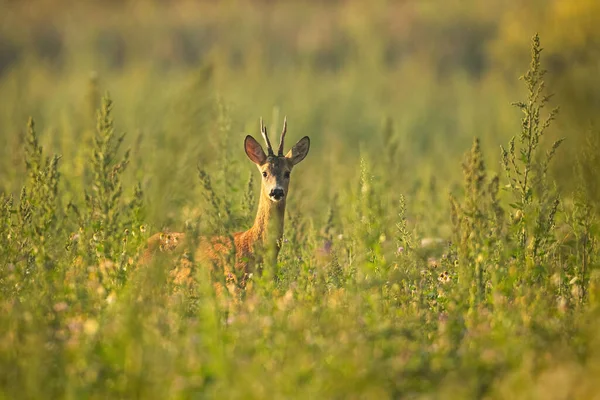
[
  {"x": 299, "y": 151},
  {"x": 254, "y": 151}
]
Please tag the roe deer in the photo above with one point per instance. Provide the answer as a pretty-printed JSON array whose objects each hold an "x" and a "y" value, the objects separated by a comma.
[{"x": 264, "y": 238}]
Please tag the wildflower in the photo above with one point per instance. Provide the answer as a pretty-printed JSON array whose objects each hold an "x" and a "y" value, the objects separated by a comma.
[
  {"x": 142, "y": 228},
  {"x": 90, "y": 327},
  {"x": 444, "y": 277}
]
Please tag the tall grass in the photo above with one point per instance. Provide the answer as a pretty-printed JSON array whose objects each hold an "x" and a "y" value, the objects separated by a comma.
[
  {"x": 357, "y": 306},
  {"x": 384, "y": 287}
]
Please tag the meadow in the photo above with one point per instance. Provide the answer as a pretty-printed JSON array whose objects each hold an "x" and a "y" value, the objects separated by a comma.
[{"x": 441, "y": 238}]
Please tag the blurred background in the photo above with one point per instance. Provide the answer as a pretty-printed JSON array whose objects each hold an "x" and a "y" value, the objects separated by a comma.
[{"x": 406, "y": 85}]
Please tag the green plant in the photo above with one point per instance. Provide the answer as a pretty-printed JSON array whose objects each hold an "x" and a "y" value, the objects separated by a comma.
[
  {"x": 533, "y": 218},
  {"x": 110, "y": 229},
  {"x": 360, "y": 303}
]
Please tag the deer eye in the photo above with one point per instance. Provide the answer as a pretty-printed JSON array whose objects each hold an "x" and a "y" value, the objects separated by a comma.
[
  {"x": 287, "y": 175},
  {"x": 264, "y": 174}
]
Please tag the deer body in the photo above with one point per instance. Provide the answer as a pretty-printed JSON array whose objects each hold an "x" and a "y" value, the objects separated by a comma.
[{"x": 265, "y": 237}]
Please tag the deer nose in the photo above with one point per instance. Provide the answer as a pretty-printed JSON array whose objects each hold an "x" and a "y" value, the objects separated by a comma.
[{"x": 277, "y": 193}]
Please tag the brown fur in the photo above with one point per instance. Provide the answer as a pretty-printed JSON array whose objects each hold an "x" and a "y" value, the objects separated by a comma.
[{"x": 263, "y": 239}]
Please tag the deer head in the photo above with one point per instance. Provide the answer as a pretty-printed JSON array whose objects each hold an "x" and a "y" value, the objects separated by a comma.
[{"x": 275, "y": 169}]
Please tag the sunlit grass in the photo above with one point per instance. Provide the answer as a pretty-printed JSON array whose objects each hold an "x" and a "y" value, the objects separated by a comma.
[{"x": 384, "y": 287}]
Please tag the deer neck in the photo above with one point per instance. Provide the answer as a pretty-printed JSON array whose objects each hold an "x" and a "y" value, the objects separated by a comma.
[{"x": 268, "y": 225}]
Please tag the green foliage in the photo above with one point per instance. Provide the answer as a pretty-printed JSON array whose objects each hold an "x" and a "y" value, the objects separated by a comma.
[
  {"x": 383, "y": 289},
  {"x": 582, "y": 220},
  {"x": 109, "y": 230},
  {"x": 533, "y": 217},
  {"x": 31, "y": 229},
  {"x": 479, "y": 230}
]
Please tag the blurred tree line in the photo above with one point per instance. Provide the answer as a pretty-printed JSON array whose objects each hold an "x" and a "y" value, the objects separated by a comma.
[{"x": 461, "y": 54}]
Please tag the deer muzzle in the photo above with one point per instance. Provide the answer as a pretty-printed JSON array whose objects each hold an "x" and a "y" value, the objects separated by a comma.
[{"x": 277, "y": 194}]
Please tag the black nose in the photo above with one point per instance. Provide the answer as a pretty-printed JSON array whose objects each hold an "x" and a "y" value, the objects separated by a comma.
[{"x": 277, "y": 194}]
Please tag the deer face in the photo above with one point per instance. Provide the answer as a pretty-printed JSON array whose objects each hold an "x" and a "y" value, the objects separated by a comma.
[
  {"x": 275, "y": 177},
  {"x": 275, "y": 169}
]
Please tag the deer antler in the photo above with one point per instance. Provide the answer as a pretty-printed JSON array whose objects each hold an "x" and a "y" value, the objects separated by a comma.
[
  {"x": 263, "y": 131},
  {"x": 280, "y": 152}
]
